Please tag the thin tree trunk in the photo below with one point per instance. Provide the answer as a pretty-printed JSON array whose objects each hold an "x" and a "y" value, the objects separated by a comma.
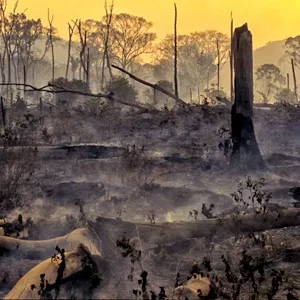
[
  {"x": 207, "y": 81},
  {"x": 88, "y": 70},
  {"x": 245, "y": 154},
  {"x": 3, "y": 114},
  {"x": 51, "y": 44},
  {"x": 33, "y": 75},
  {"x": 9, "y": 76},
  {"x": 18, "y": 67},
  {"x": 288, "y": 81},
  {"x": 71, "y": 31},
  {"x": 191, "y": 96},
  {"x": 231, "y": 60},
  {"x": 175, "y": 53},
  {"x": 154, "y": 97},
  {"x": 218, "y": 66},
  {"x": 294, "y": 77},
  {"x": 25, "y": 82},
  {"x": 106, "y": 43}
]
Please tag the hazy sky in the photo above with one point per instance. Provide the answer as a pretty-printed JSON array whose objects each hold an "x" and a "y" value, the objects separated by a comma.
[{"x": 267, "y": 19}]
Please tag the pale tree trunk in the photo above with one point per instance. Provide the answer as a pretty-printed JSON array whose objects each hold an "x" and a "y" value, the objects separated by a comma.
[{"x": 246, "y": 154}]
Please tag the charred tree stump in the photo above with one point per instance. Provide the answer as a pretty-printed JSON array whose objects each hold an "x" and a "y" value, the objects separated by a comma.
[{"x": 245, "y": 153}]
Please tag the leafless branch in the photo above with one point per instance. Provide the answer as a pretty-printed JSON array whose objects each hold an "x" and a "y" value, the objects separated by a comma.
[
  {"x": 154, "y": 86},
  {"x": 71, "y": 32},
  {"x": 59, "y": 89}
]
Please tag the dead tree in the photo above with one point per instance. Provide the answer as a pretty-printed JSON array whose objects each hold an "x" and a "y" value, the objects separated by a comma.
[
  {"x": 71, "y": 32},
  {"x": 218, "y": 67},
  {"x": 51, "y": 31},
  {"x": 288, "y": 81},
  {"x": 245, "y": 154},
  {"x": 294, "y": 77},
  {"x": 108, "y": 16},
  {"x": 175, "y": 53},
  {"x": 231, "y": 59},
  {"x": 25, "y": 82},
  {"x": 88, "y": 70},
  {"x": 3, "y": 113},
  {"x": 82, "y": 55}
]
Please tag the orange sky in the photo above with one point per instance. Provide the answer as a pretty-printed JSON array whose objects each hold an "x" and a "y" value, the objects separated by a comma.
[{"x": 267, "y": 19}]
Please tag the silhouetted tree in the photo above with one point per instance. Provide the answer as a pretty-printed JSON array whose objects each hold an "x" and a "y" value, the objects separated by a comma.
[
  {"x": 131, "y": 37},
  {"x": 270, "y": 79}
]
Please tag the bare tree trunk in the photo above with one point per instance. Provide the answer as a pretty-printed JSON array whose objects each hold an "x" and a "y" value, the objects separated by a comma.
[
  {"x": 106, "y": 43},
  {"x": 154, "y": 97},
  {"x": 294, "y": 77},
  {"x": 9, "y": 90},
  {"x": 51, "y": 44},
  {"x": 25, "y": 82},
  {"x": 191, "y": 96},
  {"x": 15, "y": 70},
  {"x": 88, "y": 70},
  {"x": 3, "y": 77},
  {"x": 3, "y": 113},
  {"x": 33, "y": 74},
  {"x": 18, "y": 67},
  {"x": 71, "y": 31},
  {"x": 231, "y": 59},
  {"x": 218, "y": 66},
  {"x": 175, "y": 53},
  {"x": 84, "y": 59},
  {"x": 288, "y": 81},
  {"x": 207, "y": 81},
  {"x": 82, "y": 70},
  {"x": 245, "y": 154}
]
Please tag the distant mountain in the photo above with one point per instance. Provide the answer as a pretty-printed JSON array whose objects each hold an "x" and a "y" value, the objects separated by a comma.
[{"x": 269, "y": 54}]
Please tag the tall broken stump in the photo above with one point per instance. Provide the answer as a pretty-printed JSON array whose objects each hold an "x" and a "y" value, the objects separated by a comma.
[{"x": 245, "y": 153}]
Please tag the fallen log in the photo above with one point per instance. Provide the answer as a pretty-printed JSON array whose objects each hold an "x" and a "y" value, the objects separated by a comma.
[
  {"x": 45, "y": 248},
  {"x": 158, "y": 234},
  {"x": 28, "y": 287}
]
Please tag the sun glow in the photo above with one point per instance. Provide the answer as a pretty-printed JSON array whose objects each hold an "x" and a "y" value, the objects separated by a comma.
[{"x": 268, "y": 19}]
